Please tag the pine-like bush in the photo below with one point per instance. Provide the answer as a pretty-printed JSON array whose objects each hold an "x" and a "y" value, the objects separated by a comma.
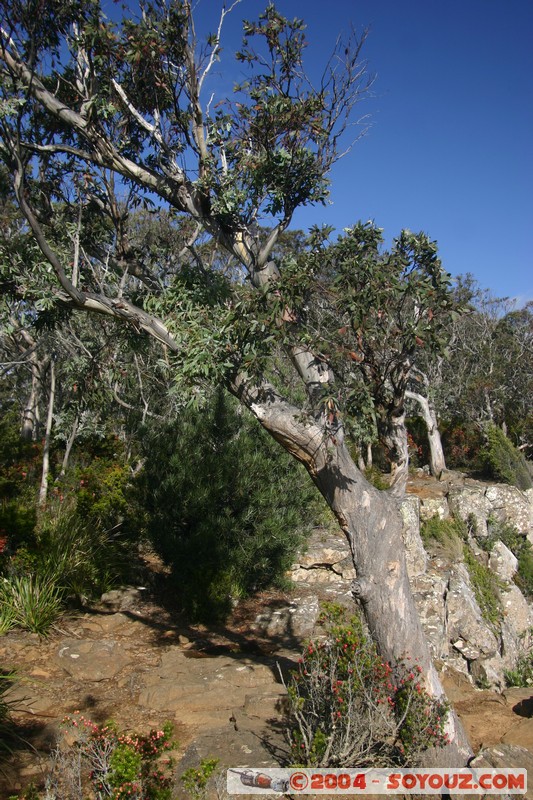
[
  {"x": 503, "y": 461},
  {"x": 225, "y": 507}
]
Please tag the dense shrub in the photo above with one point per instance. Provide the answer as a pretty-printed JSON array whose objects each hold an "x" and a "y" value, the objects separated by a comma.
[
  {"x": 225, "y": 507},
  {"x": 462, "y": 442},
  {"x": 348, "y": 708},
  {"x": 503, "y": 462},
  {"x": 19, "y": 471}
]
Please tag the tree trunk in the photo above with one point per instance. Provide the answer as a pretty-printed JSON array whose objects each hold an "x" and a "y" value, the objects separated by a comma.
[
  {"x": 437, "y": 463},
  {"x": 43, "y": 491},
  {"x": 69, "y": 446},
  {"x": 30, "y": 415},
  {"x": 371, "y": 521}
]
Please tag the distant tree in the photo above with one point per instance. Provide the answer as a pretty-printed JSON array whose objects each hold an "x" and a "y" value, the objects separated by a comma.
[{"x": 89, "y": 106}]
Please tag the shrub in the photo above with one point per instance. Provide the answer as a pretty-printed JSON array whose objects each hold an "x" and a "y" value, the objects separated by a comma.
[
  {"x": 503, "y": 462},
  {"x": 32, "y": 602},
  {"x": 80, "y": 555},
  {"x": 195, "y": 779},
  {"x": 225, "y": 507},
  {"x": 115, "y": 765},
  {"x": 444, "y": 537},
  {"x": 351, "y": 709}
]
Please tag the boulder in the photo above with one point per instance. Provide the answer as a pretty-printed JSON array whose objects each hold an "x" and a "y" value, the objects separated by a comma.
[
  {"x": 87, "y": 660},
  {"x": 468, "y": 632},
  {"x": 434, "y": 507},
  {"x": 503, "y": 562},
  {"x": 509, "y": 505},
  {"x": 470, "y": 501},
  {"x": 416, "y": 556}
]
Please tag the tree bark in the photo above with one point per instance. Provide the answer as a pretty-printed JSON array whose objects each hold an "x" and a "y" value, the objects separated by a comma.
[
  {"x": 437, "y": 462},
  {"x": 371, "y": 521}
]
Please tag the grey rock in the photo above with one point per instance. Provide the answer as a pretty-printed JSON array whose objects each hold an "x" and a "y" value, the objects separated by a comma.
[
  {"x": 510, "y": 505},
  {"x": 416, "y": 555},
  {"x": 503, "y": 562},
  {"x": 434, "y": 507},
  {"x": 87, "y": 660},
  {"x": 469, "y": 501}
]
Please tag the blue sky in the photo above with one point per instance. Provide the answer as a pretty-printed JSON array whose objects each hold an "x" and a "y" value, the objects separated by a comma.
[{"x": 450, "y": 147}]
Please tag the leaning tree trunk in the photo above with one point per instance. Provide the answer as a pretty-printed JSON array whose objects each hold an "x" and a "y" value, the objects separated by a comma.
[
  {"x": 371, "y": 521},
  {"x": 437, "y": 463}
]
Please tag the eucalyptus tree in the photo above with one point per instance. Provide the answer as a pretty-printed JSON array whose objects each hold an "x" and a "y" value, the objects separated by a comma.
[{"x": 91, "y": 108}]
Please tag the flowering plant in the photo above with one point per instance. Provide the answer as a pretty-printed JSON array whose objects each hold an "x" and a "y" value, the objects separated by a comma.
[
  {"x": 350, "y": 708},
  {"x": 116, "y": 765}
]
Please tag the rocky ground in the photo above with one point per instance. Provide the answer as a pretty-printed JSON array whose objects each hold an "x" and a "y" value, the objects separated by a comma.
[
  {"x": 132, "y": 659},
  {"x": 221, "y": 687}
]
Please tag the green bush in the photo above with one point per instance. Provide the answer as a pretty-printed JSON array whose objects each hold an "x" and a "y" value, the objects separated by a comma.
[
  {"x": 444, "y": 537},
  {"x": 115, "y": 765},
  {"x": 486, "y": 588},
  {"x": 32, "y": 602},
  {"x": 225, "y": 507},
  {"x": 348, "y": 708},
  {"x": 503, "y": 462},
  {"x": 79, "y": 555}
]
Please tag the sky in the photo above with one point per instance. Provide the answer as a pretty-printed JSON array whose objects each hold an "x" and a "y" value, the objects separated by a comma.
[{"x": 450, "y": 147}]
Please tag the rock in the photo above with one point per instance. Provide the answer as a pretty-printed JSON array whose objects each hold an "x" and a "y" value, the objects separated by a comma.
[
  {"x": 123, "y": 599},
  {"x": 295, "y": 621},
  {"x": 327, "y": 559},
  {"x": 516, "y": 610},
  {"x": 417, "y": 558},
  {"x": 434, "y": 507},
  {"x": 429, "y": 594},
  {"x": 467, "y": 630},
  {"x": 87, "y": 660},
  {"x": 503, "y": 562},
  {"x": 470, "y": 501},
  {"x": 510, "y": 505},
  {"x": 506, "y": 755}
]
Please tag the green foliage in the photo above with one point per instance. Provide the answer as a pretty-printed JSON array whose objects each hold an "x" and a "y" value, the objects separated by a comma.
[
  {"x": 19, "y": 469},
  {"x": 444, "y": 536},
  {"x": 195, "y": 779},
  {"x": 32, "y": 602},
  {"x": 503, "y": 461},
  {"x": 80, "y": 556},
  {"x": 519, "y": 545},
  {"x": 119, "y": 766},
  {"x": 522, "y": 674},
  {"x": 350, "y": 709},
  {"x": 225, "y": 507},
  {"x": 486, "y": 588},
  {"x": 376, "y": 478},
  {"x": 462, "y": 442}
]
